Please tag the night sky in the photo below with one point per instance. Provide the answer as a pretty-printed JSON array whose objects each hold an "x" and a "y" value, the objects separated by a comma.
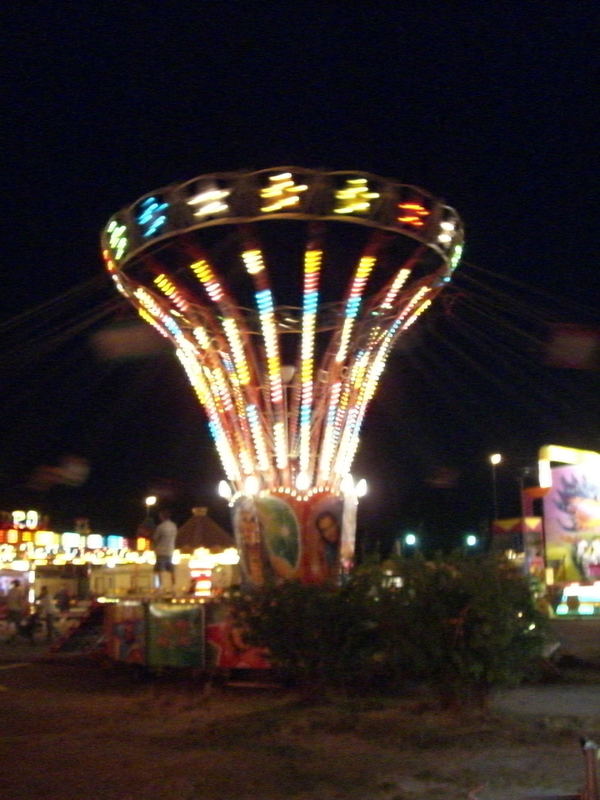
[{"x": 490, "y": 106}]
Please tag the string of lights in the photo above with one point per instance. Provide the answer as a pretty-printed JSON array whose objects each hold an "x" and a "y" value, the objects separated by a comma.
[{"x": 293, "y": 424}]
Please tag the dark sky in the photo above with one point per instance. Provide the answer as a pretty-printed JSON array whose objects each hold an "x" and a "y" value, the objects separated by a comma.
[{"x": 490, "y": 106}]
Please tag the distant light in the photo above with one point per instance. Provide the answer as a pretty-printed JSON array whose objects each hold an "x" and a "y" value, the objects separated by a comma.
[
  {"x": 495, "y": 458},
  {"x": 70, "y": 540},
  {"x": 361, "y": 488},
  {"x": 48, "y": 539},
  {"x": 544, "y": 473},
  {"x": 410, "y": 539},
  {"x": 115, "y": 541},
  {"x": 150, "y": 500},
  {"x": 471, "y": 540}
]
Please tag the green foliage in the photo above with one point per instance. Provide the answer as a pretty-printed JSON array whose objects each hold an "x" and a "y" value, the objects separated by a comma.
[
  {"x": 461, "y": 624},
  {"x": 317, "y": 636}
]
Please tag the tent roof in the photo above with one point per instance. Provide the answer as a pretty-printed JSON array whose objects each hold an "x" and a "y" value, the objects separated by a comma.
[{"x": 201, "y": 531}]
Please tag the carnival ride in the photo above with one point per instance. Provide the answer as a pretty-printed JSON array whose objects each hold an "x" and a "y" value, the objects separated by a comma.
[{"x": 283, "y": 292}]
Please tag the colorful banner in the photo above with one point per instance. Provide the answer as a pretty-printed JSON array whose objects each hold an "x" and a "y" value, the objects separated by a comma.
[
  {"x": 125, "y": 632},
  {"x": 175, "y": 635}
]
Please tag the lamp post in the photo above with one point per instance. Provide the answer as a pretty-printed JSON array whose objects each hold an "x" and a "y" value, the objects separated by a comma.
[
  {"x": 495, "y": 459},
  {"x": 410, "y": 543},
  {"x": 148, "y": 524},
  {"x": 471, "y": 541}
]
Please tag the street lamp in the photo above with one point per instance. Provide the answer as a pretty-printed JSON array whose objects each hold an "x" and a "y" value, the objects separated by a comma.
[
  {"x": 411, "y": 542},
  {"x": 146, "y": 529},
  {"x": 495, "y": 459}
]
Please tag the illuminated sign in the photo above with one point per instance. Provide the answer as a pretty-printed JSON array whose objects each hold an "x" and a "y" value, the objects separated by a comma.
[{"x": 25, "y": 520}]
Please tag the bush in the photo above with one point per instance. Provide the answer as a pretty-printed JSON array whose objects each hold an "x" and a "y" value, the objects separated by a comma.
[
  {"x": 461, "y": 624},
  {"x": 317, "y": 636}
]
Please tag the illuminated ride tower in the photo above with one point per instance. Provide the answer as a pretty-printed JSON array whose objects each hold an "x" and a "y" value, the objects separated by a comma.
[{"x": 283, "y": 292}]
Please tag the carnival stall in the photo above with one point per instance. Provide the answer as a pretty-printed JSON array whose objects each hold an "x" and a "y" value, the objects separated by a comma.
[
  {"x": 180, "y": 632},
  {"x": 91, "y": 564},
  {"x": 557, "y": 538}
]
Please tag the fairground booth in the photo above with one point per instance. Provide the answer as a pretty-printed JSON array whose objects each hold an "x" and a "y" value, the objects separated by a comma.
[
  {"x": 557, "y": 538},
  {"x": 91, "y": 564},
  {"x": 114, "y": 606}
]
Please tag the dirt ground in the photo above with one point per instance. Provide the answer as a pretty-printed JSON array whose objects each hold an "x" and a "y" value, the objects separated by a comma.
[{"x": 74, "y": 729}]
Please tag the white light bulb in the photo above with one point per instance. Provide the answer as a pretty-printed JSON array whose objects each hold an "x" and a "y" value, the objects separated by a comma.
[
  {"x": 302, "y": 481},
  {"x": 251, "y": 485},
  {"x": 224, "y": 490},
  {"x": 361, "y": 488},
  {"x": 347, "y": 484}
]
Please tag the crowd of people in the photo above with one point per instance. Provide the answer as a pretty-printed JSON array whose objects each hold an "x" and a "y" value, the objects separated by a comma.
[{"x": 24, "y": 619}]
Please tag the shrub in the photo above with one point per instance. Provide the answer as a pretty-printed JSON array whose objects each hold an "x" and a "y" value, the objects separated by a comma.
[
  {"x": 317, "y": 636},
  {"x": 461, "y": 624}
]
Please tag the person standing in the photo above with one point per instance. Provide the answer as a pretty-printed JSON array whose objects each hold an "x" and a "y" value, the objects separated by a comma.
[
  {"x": 164, "y": 537},
  {"x": 15, "y": 606},
  {"x": 48, "y": 612}
]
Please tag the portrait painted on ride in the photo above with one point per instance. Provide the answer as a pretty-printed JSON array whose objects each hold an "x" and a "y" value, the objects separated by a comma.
[
  {"x": 281, "y": 533},
  {"x": 323, "y": 537},
  {"x": 267, "y": 535},
  {"x": 248, "y": 539}
]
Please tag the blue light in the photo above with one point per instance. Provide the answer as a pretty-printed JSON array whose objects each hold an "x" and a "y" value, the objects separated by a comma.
[
  {"x": 172, "y": 326},
  {"x": 311, "y": 301},
  {"x": 353, "y": 306},
  {"x": 158, "y": 223},
  {"x": 264, "y": 301},
  {"x": 151, "y": 217}
]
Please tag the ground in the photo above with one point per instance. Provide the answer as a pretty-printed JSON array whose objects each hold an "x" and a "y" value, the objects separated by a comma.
[{"x": 76, "y": 728}]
